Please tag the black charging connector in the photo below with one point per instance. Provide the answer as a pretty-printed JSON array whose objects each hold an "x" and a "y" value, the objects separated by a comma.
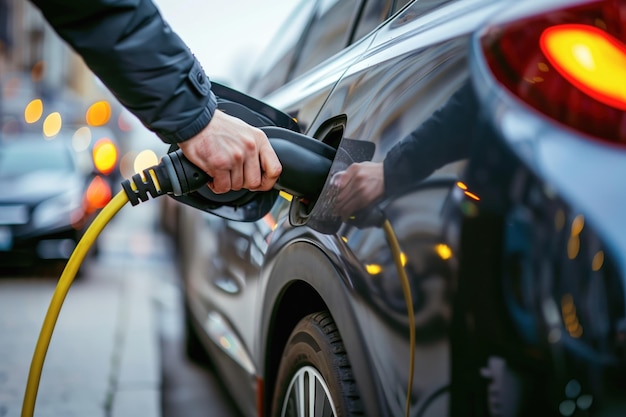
[
  {"x": 173, "y": 175},
  {"x": 305, "y": 162}
]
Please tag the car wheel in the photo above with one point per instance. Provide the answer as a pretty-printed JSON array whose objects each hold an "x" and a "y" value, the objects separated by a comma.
[{"x": 315, "y": 373}]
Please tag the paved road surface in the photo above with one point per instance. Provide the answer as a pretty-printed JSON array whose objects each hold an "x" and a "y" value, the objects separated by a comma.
[{"x": 116, "y": 349}]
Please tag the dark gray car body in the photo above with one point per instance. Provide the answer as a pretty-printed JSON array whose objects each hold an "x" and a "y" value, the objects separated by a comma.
[{"x": 248, "y": 284}]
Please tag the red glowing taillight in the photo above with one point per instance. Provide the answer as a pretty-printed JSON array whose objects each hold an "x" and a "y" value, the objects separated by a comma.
[
  {"x": 590, "y": 59},
  {"x": 570, "y": 64}
]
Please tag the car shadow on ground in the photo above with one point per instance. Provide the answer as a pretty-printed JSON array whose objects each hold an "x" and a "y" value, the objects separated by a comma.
[{"x": 188, "y": 388}]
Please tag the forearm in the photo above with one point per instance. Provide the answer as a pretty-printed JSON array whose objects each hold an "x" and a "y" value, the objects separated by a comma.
[
  {"x": 140, "y": 59},
  {"x": 445, "y": 137}
]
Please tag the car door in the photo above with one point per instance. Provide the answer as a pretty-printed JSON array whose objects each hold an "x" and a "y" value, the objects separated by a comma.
[{"x": 397, "y": 80}]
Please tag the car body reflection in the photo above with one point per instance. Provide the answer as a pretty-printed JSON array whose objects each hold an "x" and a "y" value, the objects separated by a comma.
[{"x": 506, "y": 211}]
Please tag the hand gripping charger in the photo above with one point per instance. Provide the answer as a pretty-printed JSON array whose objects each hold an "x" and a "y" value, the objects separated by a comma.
[{"x": 305, "y": 162}]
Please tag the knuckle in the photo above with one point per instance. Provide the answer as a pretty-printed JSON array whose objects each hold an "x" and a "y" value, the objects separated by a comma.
[
  {"x": 237, "y": 157},
  {"x": 220, "y": 162},
  {"x": 250, "y": 145}
]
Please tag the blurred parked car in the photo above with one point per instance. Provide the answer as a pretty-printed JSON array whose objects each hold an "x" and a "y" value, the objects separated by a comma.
[
  {"x": 44, "y": 201},
  {"x": 513, "y": 246}
]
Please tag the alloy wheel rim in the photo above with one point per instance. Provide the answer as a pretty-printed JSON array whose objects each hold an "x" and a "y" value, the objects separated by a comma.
[{"x": 308, "y": 395}]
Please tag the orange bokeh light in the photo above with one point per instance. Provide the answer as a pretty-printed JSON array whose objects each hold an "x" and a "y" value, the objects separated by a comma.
[
  {"x": 33, "y": 111},
  {"x": 472, "y": 196},
  {"x": 98, "y": 114}
]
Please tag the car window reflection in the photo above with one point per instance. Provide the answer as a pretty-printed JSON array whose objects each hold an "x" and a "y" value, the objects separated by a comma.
[
  {"x": 329, "y": 33},
  {"x": 443, "y": 138}
]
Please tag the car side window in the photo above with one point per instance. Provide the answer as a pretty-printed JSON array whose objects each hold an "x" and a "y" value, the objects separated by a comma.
[{"x": 328, "y": 34}]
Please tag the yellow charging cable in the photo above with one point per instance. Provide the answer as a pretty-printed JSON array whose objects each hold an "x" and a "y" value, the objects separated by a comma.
[
  {"x": 396, "y": 253},
  {"x": 62, "y": 288},
  {"x": 77, "y": 257}
]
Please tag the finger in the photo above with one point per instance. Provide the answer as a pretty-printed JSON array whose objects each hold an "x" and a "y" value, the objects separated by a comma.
[
  {"x": 221, "y": 182},
  {"x": 337, "y": 179},
  {"x": 252, "y": 173},
  {"x": 346, "y": 188},
  {"x": 270, "y": 166},
  {"x": 349, "y": 209},
  {"x": 346, "y": 207},
  {"x": 344, "y": 194},
  {"x": 237, "y": 177}
]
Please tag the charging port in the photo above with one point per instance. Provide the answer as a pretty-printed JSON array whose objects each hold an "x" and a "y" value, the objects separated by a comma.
[{"x": 330, "y": 133}]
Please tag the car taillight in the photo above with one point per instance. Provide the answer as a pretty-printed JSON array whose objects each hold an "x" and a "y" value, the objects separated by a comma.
[{"x": 570, "y": 64}]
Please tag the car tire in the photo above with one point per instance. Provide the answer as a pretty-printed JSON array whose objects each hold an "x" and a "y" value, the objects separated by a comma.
[{"x": 315, "y": 352}]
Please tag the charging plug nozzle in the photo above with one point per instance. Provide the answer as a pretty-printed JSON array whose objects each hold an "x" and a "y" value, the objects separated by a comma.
[
  {"x": 306, "y": 163},
  {"x": 173, "y": 175}
]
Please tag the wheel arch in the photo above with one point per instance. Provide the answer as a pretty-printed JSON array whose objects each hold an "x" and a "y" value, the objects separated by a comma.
[{"x": 306, "y": 279}]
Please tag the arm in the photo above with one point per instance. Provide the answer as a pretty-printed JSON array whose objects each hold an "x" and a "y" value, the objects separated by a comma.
[
  {"x": 445, "y": 137},
  {"x": 151, "y": 71},
  {"x": 146, "y": 66}
]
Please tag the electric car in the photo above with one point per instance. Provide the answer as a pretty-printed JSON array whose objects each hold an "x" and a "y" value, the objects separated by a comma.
[
  {"x": 43, "y": 203},
  {"x": 488, "y": 278},
  {"x": 314, "y": 31}
]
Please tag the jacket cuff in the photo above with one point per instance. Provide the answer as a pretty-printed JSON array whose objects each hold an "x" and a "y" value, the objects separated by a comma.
[{"x": 195, "y": 127}]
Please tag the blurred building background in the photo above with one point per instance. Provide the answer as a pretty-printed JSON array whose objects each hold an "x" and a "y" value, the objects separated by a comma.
[
  {"x": 39, "y": 70},
  {"x": 29, "y": 45},
  {"x": 46, "y": 89},
  {"x": 37, "y": 63}
]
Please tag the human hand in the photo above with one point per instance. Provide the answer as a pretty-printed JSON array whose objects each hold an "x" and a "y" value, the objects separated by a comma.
[
  {"x": 359, "y": 185},
  {"x": 235, "y": 154}
]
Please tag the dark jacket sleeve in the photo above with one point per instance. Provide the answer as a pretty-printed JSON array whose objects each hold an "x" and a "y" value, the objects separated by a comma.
[
  {"x": 443, "y": 138},
  {"x": 128, "y": 45}
]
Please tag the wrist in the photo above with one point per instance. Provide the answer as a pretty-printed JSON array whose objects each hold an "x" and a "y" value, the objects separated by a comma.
[{"x": 193, "y": 128}]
